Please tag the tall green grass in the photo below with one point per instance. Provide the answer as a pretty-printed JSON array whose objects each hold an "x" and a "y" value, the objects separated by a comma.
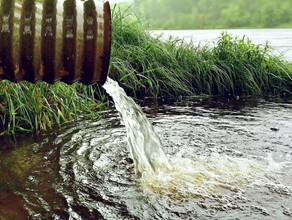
[
  {"x": 26, "y": 107},
  {"x": 147, "y": 66}
]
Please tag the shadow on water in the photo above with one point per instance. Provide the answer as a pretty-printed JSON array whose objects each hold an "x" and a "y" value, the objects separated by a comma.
[
  {"x": 29, "y": 167},
  {"x": 239, "y": 152}
]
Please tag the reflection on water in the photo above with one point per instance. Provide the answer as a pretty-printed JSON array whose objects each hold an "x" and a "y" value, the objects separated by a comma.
[{"x": 232, "y": 161}]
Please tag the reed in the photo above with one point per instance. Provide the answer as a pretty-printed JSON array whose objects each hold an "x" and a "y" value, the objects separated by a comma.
[
  {"x": 148, "y": 66},
  {"x": 26, "y": 107}
]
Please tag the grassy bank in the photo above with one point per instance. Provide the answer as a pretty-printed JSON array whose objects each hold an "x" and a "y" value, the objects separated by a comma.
[
  {"x": 26, "y": 107},
  {"x": 148, "y": 67}
]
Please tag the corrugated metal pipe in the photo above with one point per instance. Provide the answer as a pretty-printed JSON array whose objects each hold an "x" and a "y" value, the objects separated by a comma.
[{"x": 55, "y": 40}]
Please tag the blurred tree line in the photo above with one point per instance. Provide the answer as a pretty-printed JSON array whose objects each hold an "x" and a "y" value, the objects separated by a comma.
[{"x": 196, "y": 14}]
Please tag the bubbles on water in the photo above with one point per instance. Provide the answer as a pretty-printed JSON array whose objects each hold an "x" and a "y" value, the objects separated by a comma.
[
  {"x": 222, "y": 166},
  {"x": 205, "y": 175},
  {"x": 221, "y": 179}
]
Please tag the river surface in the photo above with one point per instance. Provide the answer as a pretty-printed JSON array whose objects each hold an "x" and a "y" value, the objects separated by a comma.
[
  {"x": 236, "y": 157},
  {"x": 233, "y": 159}
]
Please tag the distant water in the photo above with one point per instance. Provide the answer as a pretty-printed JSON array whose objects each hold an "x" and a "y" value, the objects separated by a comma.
[{"x": 279, "y": 39}]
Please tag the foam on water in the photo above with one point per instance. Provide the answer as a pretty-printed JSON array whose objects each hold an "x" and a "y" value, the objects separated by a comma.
[
  {"x": 215, "y": 174},
  {"x": 217, "y": 163},
  {"x": 181, "y": 177}
]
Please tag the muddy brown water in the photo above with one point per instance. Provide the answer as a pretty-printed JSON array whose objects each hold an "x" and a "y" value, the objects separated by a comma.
[{"x": 238, "y": 154}]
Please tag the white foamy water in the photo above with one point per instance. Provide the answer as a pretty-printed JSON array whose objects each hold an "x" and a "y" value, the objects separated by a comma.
[
  {"x": 221, "y": 163},
  {"x": 212, "y": 175}
]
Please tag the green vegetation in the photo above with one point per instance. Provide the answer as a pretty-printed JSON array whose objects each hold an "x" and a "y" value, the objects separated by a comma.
[
  {"x": 148, "y": 67},
  {"x": 26, "y": 107},
  {"x": 190, "y": 14}
]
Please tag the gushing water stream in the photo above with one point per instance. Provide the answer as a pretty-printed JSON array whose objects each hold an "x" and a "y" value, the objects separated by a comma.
[{"x": 144, "y": 144}]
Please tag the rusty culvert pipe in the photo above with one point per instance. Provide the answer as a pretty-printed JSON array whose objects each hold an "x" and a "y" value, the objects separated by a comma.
[{"x": 55, "y": 40}]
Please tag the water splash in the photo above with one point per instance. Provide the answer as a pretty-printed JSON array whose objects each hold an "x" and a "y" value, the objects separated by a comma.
[
  {"x": 144, "y": 144},
  {"x": 179, "y": 177},
  {"x": 225, "y": 164}
]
